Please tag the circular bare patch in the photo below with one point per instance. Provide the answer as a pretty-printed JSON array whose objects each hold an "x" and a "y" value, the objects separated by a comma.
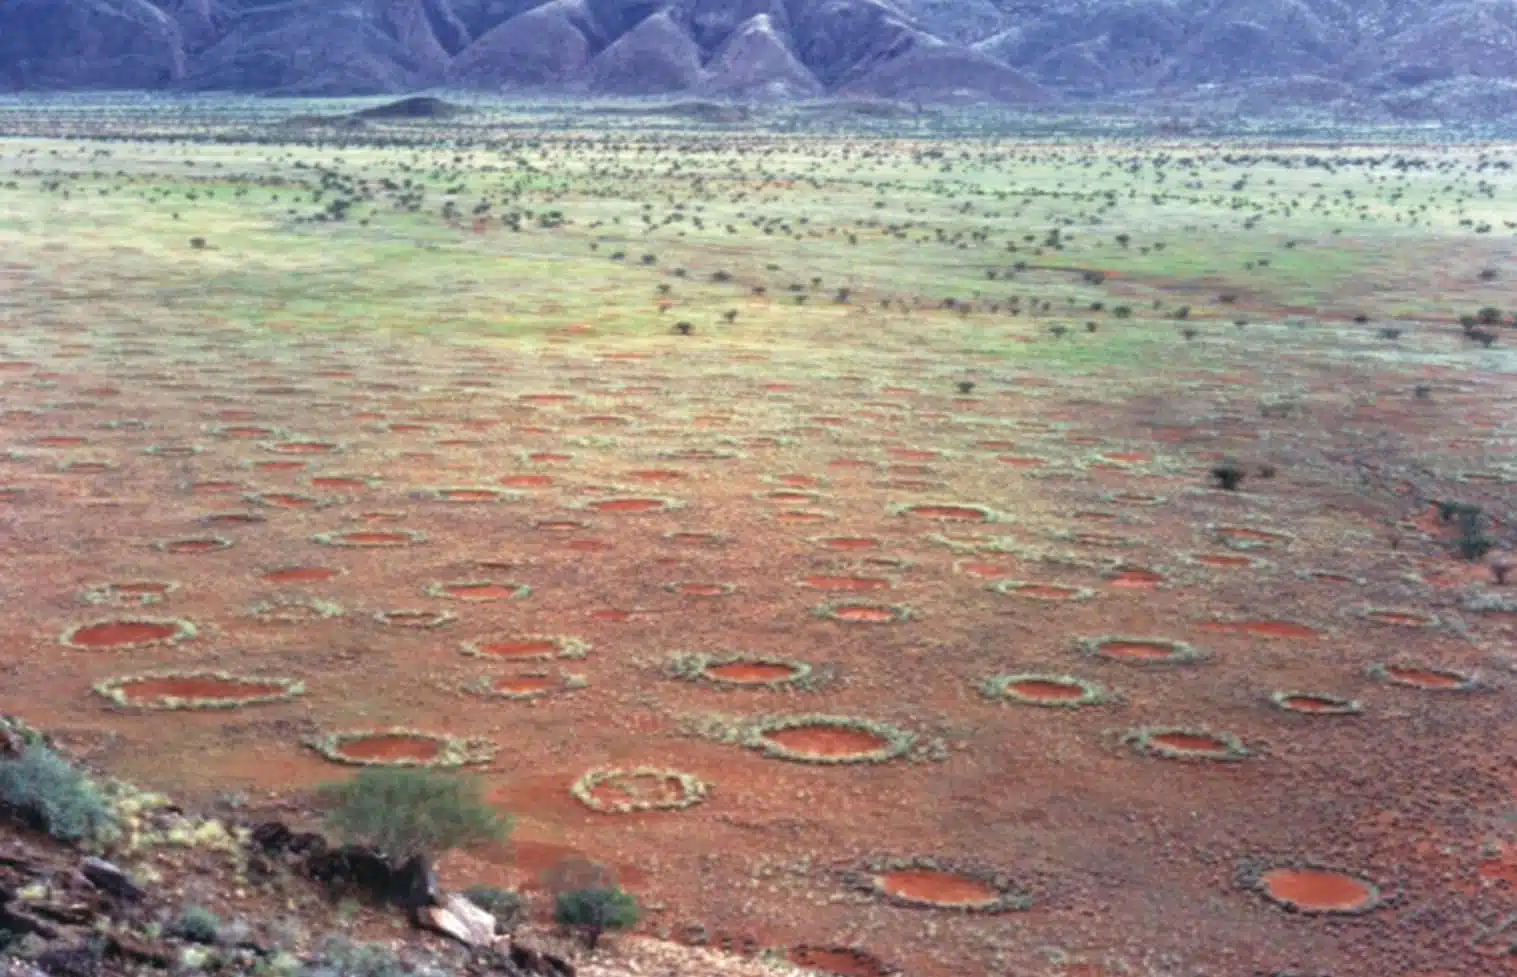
[
  {"x": 371, "y": 538},
  {"x": 701, "y": 588},
  {"x": 479, "y": 591},
  {"x": 1141, "y": 651},
  {"x": 614, "y": 790},
  {"x": 526, "y": 647},
  {"x": 414, "y": 618},
  {"x": 931, "y": 883},
  {"x": 196, "y": 690},
  {"x": 632, "y": 505},
  {"x": 301, "y": 447},
  {"x": 859, "y": 612},
  {"x": 294, "y": 611},
  {"x": 129, "y": 593},
  {"x": 125, "y": 634},
  {"x": 1398, "y": 617},
  {"x": 465, "y": 495},
  {"x": 294, "y": 575},
  {"x": 1316, "y": 891},
  {"x": 1427, "y": 678},
  {"x": 1035, "y": 590},
  {"x": 740, "y": 671},
  {"x": 1315, "y": 704},
  {"x": 1037, "y": 689},
  {"x": 828, "y": 740},
  {"x": 845, "y": 584},
  {"x": 398, "y": 747},
  {"x": 524, "y": 686},
  {"x": 1180, "y": 743},
  {"x": 1250, "y": 537},
  {"x": 945, "y": 512},
  {"x": 194, "y": 544}
]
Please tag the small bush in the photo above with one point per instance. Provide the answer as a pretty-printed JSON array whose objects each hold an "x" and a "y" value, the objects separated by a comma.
[
  {"x": 406, "y": 812},
  {"x": 196, "y": 924},
  {"x": 594, "y": 911},
  {"x": 51, "y": 795}
]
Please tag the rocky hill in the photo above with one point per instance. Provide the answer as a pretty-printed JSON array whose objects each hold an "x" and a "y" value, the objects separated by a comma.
[{"x": 1403, "y": 57}]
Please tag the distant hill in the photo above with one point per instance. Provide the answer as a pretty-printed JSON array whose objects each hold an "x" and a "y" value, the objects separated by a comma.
[{"x": 1394, "y": 57}]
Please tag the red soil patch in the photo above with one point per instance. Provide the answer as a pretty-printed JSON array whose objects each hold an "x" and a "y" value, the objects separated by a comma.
[
  {"x": 1149, "y": 651},
  {"x": 1244, "y": 534},
  {"x": 279, "y": 466},
  {"x": 799, "y": 481},
  {"x": 693, "y": 539},
  {"x": 1404, "y": 619},
  {"x": 118, "y": 634},
  {"x": 847, "y": 583},
  {"x": 522, "y": 685},
  {"x": 656, "y": 475},
  {"x": 517, "y": 648},
  {"x": 1136, "y": 578},
  {"x": 824, "y": 740},
  {"x": 338, "y": 484},
  {"x": 1043, "y": 690},
  {"x": 58, "y": 441},
  {"x": 303, "y": 448},
  {"x": 202, "y": 687},
  {"x": 839, "y": 962},
  {"x": 867, "y": 615},
  {"x": 390, "y": 747},
  {"x": 986, "y": 570},
  {"x": 560, "y": 526},
  {"x": 937, "y": 888},
  {"x": 1222, "y": 560},
  {"x": 526, "y": 481},
  {"x": 851, "y": 543},
  {"x": 750, "y": 673},
  {"x": 284, "y": 500},
  {"x": 1285, "y": 630},
  {"x": 1425, "y": 678},
  {"x": 590, "y": 545},
  {"x": 611, "y": 615},
  {"x": 1021, "y": 461},
  {"x": 467, "y": 495},
  {"x": 1045, "y": 591},
  {"x": 1312, "y": 704},
  {"x": 801, "y": 516},
  {"x": 1317, "y": 891},
  {"x": 288, "y": 575},
  {"x": 142, "y": 588},
  {"x": 1195, "y": 744},
  {"x": 548, "y": 458}
]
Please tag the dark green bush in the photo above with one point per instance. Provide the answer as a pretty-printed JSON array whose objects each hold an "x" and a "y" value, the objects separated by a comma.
[
  {"x": 406, "y": 812},
  {"x": 594, "y": 911},
  {"x": 50, "y": 794},
  {"x": 196, "y": 924}
]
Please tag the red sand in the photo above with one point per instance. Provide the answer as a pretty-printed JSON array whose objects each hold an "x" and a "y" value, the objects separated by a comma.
[
  {"x": 1317, "y": 891},
  {"x": 390, "y": 747},
  {"x": 939, "y": 888},
  {"x": 116, "y": 634},
  {"x": 826, "y": 741},
  {"x": 749, "y": 673},
  {"x": 197, "y": 687}
]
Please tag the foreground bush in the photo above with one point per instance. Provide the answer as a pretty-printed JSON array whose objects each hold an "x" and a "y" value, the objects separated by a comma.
[
  {"x": 409, "y": 813},
  {"x": 52, "y": 795},
  {"x": 594, "y": 911}
]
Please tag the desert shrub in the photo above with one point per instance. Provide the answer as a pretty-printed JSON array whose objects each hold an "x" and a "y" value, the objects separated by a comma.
[
  {"x": 1228, "y": 474},
  {"x": 52, "y": 795},
  {"x": 341, "y": 957},
  {"x": 594, "y": 911},
  {"x": 196, "y": 924},
  {"x": 505, "y": 905},
  {"x": 407, "y": 812}
]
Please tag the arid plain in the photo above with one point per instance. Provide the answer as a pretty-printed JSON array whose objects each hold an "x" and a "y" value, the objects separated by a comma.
[{"x": 937, "y": 555}]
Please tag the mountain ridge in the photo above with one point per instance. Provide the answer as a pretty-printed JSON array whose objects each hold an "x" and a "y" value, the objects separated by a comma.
[{"x": 1411, "y": 57}]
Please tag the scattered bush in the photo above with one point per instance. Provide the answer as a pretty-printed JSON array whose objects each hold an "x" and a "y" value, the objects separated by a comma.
[
  {"x": 51, "y": 795},
  {"x": 1229, "y": 475},
  {"x": 196, "y": 924},
  {"x": 409, "y": 812},
  {"x": 594, "y": 911}
]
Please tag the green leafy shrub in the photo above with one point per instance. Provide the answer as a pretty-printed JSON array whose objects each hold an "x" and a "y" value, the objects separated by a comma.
[
  {"x": 196, "y": 924},
  {"x": 594, "y": 911},
  {"x": 52, "y": 795},
  {"x": 407, "y": 812}
]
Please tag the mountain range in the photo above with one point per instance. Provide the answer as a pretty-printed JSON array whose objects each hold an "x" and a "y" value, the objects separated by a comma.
[{"x": 1416, "y": 57}]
